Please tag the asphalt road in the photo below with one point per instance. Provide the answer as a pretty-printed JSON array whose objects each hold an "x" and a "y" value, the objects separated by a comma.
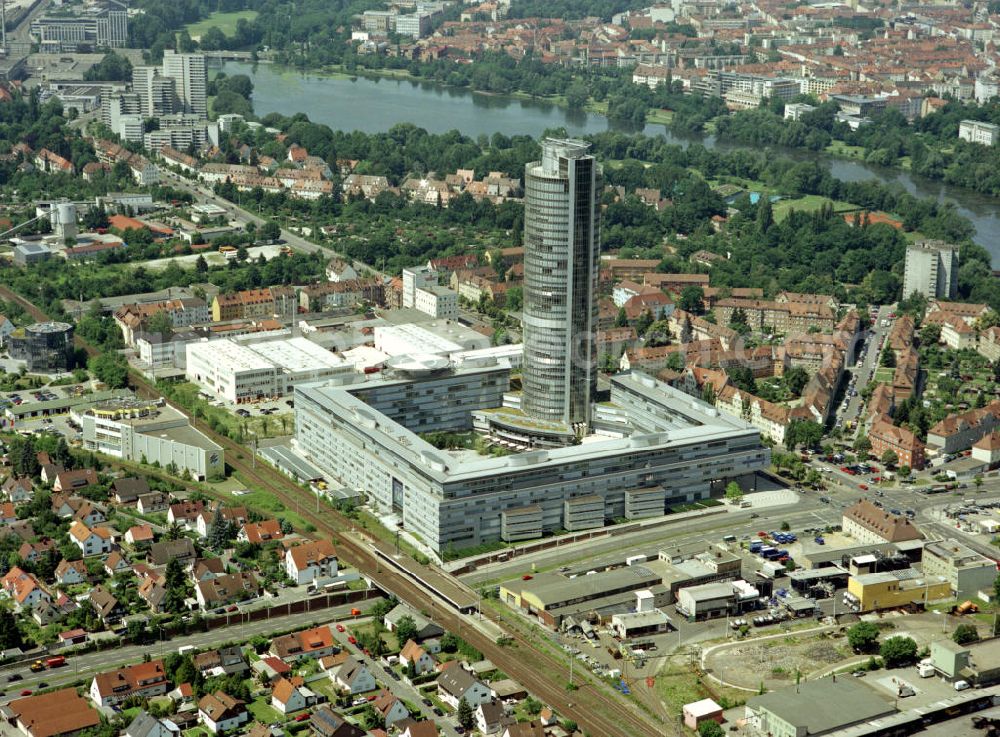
[
  {"x": 692, "y": 536},
  {"x": 401, "y": 689},
  {"x": 84, "y": 666},
  {"x": 866, "y": 371},
  {"x": 204, "y": 193}
]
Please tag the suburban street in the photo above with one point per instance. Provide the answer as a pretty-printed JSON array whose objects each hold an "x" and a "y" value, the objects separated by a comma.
[
  {"x": 84, "y": 666},
  {"x": 864, "y": 373},
  {"x": 204, "y": 193}
]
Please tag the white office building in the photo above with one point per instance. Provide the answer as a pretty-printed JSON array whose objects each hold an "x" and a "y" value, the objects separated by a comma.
[
  {"x": 367, "y": 435},
  {"x": 419, "y": 277},
  {"x": 438, "y": 302},
  {"x": 976, "y": 131},
  {"x": 439, "y": 338},
  {"x": 149, "y": 432},
  {"x": 241, "y": 372}
]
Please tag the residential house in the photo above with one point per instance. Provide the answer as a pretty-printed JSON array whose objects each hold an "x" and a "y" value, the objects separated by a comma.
[
  {"x": 185, "y": 513},
  {"x": 455, "y": 684},
  {"x": 90, "y": 514},
  {"x": 885, "y": 436},
  {"x": 425, "y": 627},
  {"x": 25, "y": 590},
  {"x": 206, "y": 518},
  {"x": 8, "y": 515},
  {"x": 74, "y": 480},
  {"x": 958, "y": 334},
  {"x": 35, "y": 552},
  {"x": 969, "y": 312},
  {"x": 145, "y": 680},
  {"x": 128, "y": 490},
  {"x": 116, "y": 563},
  {"x": 989, "y": 344},
  {"x": 71, "y": 572},
  {"x": 491, "y": 718},
  {"x": 311, "y": 643},
  {"x": 203, "y": 569},
  {"x": 902, "y": 334},
  {"x": 987, "y": 450},
  {"x": 289, "y": 696},
  {"x": 59, "y": 713},
  {"x": 48, "y": 474},
  {"x": 154, "y": 501},
  {"x": 145, "y": 725},
  {"x": 418, "y": 660},
  {"x": 220, "y": 712},
  {"x": 153, "y": 591},
  {"x": 107, "y": 607},
  {"x": 227, "y": 589},
  {"x": 525, "y": 729},
  {"x": 353, "y": 676},
  {"x": 960, "y": 431},
  {"x": 311, "y": 561},
  {"x": 139, "y": 537},
  {"x": 390, "y": 708},
  {"x": 906, "y": 377},
  {"x": 261, "y": 532},
  {"x": 425, "y": 728},
  {"x": 18, "y": 490},
  {"x": 223, "y": 661},
  {"x": 327, "y": 723},
  {"x": 162, "y": 552},
  {"x": 96, "y": 541}
]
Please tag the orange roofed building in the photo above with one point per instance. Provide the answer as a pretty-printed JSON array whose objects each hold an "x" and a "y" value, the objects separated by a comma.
[{"x": 145, "y": 680}]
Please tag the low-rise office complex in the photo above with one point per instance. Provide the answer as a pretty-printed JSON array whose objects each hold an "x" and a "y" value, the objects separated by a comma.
[
  {"x": 659, "y": 444},
  {"x": 152, "y": 433},
  {"x": 966, "y": 571},
  {"x": 248, "y": 372}
]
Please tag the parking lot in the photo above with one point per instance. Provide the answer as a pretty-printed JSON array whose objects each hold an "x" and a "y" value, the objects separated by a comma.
[{"x": 57, "y": 423}]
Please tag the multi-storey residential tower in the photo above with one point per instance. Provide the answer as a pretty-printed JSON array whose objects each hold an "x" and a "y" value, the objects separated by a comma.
[
  {"x": 190, "y": 80},
  {"x": 561, "y": 253},
  {"x": 931, "y": 270}
]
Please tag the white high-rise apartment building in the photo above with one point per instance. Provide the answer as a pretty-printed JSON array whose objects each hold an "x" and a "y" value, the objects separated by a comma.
[
  {"x": 190, "y": 81},
  {"x": 931, "y": 270},
  {"x": 561, "y": 252}
]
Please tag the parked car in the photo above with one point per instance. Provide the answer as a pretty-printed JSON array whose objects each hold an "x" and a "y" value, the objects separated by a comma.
[{"x": 340, "y": 628}]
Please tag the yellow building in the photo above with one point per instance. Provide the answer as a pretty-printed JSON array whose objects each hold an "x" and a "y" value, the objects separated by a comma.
[{"x": 891, "y": 589}]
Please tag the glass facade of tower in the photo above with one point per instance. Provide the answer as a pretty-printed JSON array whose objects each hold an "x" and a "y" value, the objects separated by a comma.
[{"x": 561, "y": 253}]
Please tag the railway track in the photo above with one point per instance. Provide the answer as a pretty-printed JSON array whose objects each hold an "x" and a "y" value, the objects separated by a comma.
[{"x": 538, "y": 671}]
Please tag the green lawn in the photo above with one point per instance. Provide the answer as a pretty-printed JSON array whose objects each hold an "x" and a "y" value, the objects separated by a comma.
[
  {"x": 225, "y": 22},
  {"x": 839, "y": 148},
  {"x": 809, "y": 203},
  {"x": 883, "y": 375},
  {"x": 264, "y": 502},
  {"x": 263, "y": 712}
]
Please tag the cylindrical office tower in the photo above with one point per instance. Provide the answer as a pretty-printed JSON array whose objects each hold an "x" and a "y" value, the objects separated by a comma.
[{"x": 562, "y": 244}]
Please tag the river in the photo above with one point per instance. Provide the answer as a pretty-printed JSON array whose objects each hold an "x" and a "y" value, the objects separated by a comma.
[{"x": 374, "y": 105}]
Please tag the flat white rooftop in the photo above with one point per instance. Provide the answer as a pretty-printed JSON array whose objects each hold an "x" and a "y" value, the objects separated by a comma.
[
  {"x": 296, "y": 354},
  {"x": 224, "y": 351},
  {"x": 442, "y": 337}
]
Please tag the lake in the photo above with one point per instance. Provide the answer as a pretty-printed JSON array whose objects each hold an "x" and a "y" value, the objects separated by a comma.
[{"x": 374, "y": 105}]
